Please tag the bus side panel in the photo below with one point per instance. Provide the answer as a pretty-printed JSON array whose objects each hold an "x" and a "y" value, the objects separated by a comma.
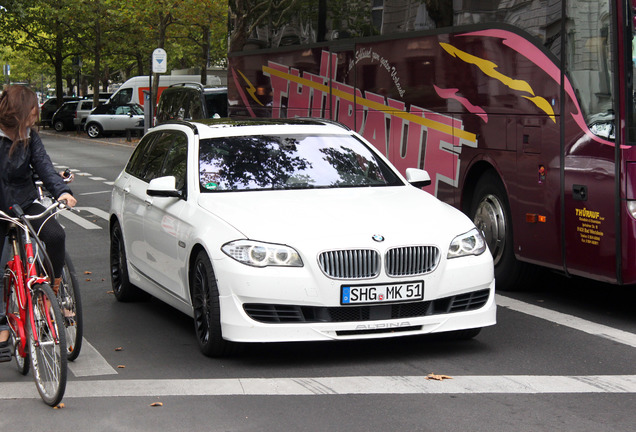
[
  {"x": 280, "y": 85},
  {"x": 589, "y": 206}
]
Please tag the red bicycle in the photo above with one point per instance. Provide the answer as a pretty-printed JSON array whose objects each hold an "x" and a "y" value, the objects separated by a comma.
[{"x": 33, "y": 312}]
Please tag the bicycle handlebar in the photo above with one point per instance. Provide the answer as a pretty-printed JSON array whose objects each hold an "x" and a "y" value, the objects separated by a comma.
[{"x": 19, "y": 213}]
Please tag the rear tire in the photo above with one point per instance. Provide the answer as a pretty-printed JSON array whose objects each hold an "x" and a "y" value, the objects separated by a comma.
[
  {"x": 59, "y": 126},
  {"x": 490, "y": 212},
  {"x": 48, "y": 356},
  {"x": 70, "y": 300},
  {"x": 207, "y": 310}
]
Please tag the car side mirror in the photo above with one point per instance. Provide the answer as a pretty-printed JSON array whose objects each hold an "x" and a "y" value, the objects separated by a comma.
[
  {"x": 418, "y": 177},
  {"x": 163, "y": 187}
]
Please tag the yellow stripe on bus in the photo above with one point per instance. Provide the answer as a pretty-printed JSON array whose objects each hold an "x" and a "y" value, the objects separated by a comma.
[{"x": 431, "y": 124}]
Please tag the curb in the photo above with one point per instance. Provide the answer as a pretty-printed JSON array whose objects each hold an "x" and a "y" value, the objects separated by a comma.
[{"x": 75, "y": 136}]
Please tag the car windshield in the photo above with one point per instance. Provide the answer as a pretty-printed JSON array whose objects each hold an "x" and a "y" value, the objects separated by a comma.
[{"x": 290, "y": 162}]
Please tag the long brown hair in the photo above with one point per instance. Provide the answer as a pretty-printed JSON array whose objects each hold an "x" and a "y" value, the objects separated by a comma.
[{"x": 16, "y": 104}]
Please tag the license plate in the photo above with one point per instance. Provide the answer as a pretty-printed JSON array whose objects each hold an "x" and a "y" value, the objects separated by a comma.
[{"x": 365, "y": 294}]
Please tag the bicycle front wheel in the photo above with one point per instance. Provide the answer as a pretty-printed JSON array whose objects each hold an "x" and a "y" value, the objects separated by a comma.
[
  {"x": 48, "y": 353},
  {"x": 71, "y": 306}
]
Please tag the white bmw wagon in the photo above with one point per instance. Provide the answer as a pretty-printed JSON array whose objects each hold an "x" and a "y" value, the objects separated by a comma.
[{"x": 292, "y": 230}]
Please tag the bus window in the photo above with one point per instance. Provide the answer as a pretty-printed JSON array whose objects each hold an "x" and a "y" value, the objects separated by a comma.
[{"x": 589, "y": 62}]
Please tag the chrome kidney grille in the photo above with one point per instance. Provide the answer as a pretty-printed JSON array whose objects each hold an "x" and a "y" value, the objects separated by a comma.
[
  {"x": 365, "y": 263},
  {"x": 350, "y": 264},
  {"x": 411, "y": 260}
]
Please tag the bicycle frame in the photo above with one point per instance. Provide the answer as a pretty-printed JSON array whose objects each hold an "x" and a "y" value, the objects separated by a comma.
[{"x": 23, "y": 274}]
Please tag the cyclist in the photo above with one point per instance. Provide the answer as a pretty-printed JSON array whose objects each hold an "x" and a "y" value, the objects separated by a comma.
[{"x": 22, "y": 153}]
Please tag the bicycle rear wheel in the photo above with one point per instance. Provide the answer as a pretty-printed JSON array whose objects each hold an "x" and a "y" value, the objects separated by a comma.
[
  {"x": 48, "y": 355},
  {"x": 71, "y": 306}
]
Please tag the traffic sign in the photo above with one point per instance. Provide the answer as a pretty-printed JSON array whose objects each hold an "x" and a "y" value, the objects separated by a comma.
[{"x": 159, "y": 61}]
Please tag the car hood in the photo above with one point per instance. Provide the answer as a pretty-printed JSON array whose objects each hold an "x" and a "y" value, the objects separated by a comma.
[{"x": 328, "y": 218}]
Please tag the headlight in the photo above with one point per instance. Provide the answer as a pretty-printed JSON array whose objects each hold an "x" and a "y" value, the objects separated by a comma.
[
  {"x": 260, "y": 254},
  {"x": 470, "y": 243}
]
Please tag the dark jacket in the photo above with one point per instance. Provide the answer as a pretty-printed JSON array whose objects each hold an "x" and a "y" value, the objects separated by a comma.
[{"x": 16, "y": 173}]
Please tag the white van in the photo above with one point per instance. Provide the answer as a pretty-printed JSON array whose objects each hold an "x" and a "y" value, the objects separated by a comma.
[{"x": 132, "y": 91}]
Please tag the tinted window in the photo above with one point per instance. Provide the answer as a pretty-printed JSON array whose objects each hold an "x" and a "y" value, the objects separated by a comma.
[
  {"x": 216, "y": 103},
  {"x": 123, "y": 96},
  {"x": 176, "y": 160},
  {"x": 308, "y": 21},
  {"x": 138, "y": 157},
  {"x": 69, "y": 107},
  {"x": 104, "y": 109},
  {"x": 154, "y": 157},
  {"x": 289, "y": 162}
]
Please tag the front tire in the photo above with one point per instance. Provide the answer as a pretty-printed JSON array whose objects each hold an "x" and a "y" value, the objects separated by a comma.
[
  {"x": 93, "y": 130},
  {"x": 123, "y": 289},
  {"x": 48, "y": 355},
  {"x": 490, "y": 212},
  {"x": 23, "y": 363},
  {"x": 207, "y": 310}
]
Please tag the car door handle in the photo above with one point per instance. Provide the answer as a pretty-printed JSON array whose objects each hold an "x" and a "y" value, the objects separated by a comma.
[
  {"x": 148, "y": 201},
  {"x": 127, "y": 190}
]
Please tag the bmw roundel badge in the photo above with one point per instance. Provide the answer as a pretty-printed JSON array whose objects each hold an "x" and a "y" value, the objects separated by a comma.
[{"x": 378, "y": 238}]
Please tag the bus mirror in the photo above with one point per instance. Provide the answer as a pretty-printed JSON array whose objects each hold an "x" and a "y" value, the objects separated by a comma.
[{"x": 418, "y": 177}]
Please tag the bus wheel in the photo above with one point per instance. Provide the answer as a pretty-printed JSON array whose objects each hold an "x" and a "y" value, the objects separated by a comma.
[{"x": 490, "y": 212}]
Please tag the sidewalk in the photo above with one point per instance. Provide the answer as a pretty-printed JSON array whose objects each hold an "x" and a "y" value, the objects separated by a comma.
[{"x": 81, "y": 135}]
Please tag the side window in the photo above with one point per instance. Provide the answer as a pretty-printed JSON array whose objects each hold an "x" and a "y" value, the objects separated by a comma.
[
  {"x": 138, "y": 157},
  {"x": 177, "y": 160},
  {"x": 196, "y": 106},
  {"x": 122, "y": 97},
  {"x": 122, "y": 110},
  {"x": 155, "y": 156}
]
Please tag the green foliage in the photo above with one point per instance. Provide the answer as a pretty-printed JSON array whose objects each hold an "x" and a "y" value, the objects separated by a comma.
[{"x": 114, "y": 38}]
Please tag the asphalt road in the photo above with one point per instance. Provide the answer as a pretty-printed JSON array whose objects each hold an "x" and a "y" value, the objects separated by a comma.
[{"x": 561, "y": 357}]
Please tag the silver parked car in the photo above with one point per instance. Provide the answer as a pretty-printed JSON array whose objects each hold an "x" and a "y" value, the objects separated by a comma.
[{"x": 110, "y": 118}]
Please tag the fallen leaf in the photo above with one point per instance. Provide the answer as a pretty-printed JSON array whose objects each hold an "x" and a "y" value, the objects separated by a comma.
[
  {"x": 88, "y": 280},
  {"x": 156, "y": 404},
  {"x": 60, "y": 406},
  {"x": 110, "y": 292},
  {"x": 436, "y": 377},
  {"x": 121, "y": 367},
  {"x": 119, "y": 349},
  {"x": 88, "y": 272}
]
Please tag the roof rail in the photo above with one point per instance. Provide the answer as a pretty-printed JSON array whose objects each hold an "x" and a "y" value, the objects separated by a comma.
[
  {"x": 184, "y": 84},
  {"x": 323, "y": 120},
  {"x": 182, "y": 123}
]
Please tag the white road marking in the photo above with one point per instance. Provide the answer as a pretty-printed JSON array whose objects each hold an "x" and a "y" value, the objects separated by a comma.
[
  {"x": 96, "y": 193},
  {"x": 84, "y": 174},
  {"x": 390, "y": 385},
  {"x": 90, "y": 362},
  {"x": 568, "y": 321},
  {"x": 96, "y": 211},
  {"x": 97, "y": 178},
  {"x": 79, "y": 220}
]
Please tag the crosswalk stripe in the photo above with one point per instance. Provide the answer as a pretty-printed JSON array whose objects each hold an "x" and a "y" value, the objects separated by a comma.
[
  {"x": 378, "y": 385},
  {"x": 79, "y": 220},
  {"x": 90, "y": 362}
]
